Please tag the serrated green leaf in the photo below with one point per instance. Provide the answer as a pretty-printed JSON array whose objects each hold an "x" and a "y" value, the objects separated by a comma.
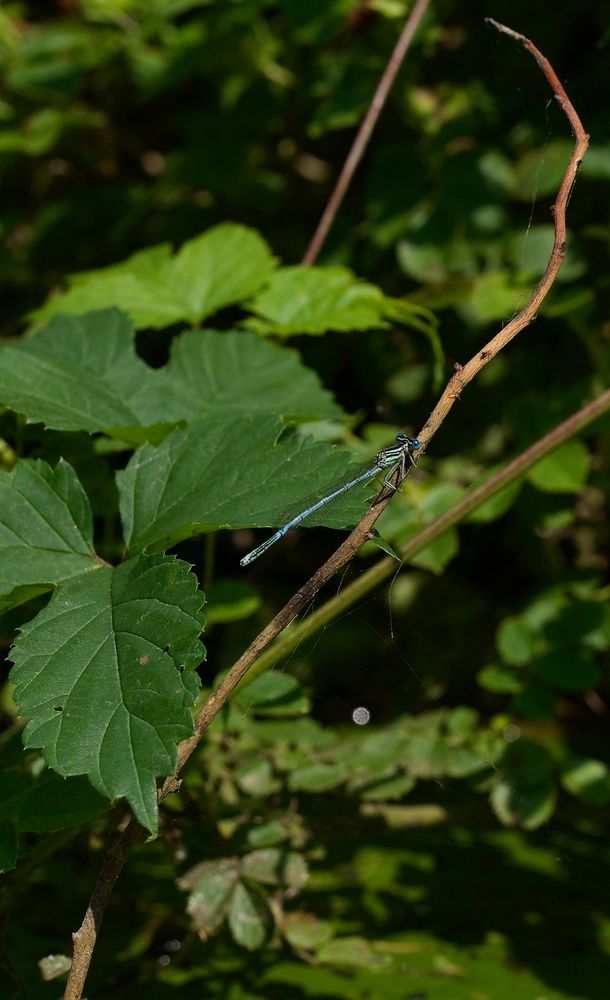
[
  {"x": 228, "y": 474},
  {"x": 233, "y": 372},
  {"x": 82, "y": 373},
  {"x": 225, "y": 265},
  {"x": 46, "y": 530},
  {"x": 313, "y": 300},
  {"x": 135, "y": 286},
  {"x": 421, "y": 319},
  {"x": 563, "y": 470},
  {"x": 250, "y": 918},
  {"x": 104, "y": 673}
]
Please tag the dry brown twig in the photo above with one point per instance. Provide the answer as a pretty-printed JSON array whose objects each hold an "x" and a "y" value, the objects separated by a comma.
[
  {"x": 467, "y": 372},
  {"x": 365, "y": 131},
  {"x": 86, "y": 936}
]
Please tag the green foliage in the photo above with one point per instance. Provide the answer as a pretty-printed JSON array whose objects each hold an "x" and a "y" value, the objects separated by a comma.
[
  {"x": 220, "y": 268},
  {"x": 563, "y": 471},
  {"x": 163, "y": 166},
  {"x": 105, "y": 675},
  {"x": 47, "y": 530},
  {"x": 111, "y": 390},
  {"x": 35, "y": 800},
  {"x": 227, "y": 266},
  {"x": 553, "y": 647},
  {"x": 231, "y": 890},
  {"x": 218, "y": 474},
  {"x": 588, "y": 779},
  {"x": 313, "y": 300}
]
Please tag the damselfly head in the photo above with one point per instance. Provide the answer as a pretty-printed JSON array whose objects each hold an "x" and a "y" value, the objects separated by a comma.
[{"x": 403, "y": 438}]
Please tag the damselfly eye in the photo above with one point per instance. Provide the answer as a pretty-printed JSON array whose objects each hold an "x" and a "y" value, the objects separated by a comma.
[{"x": 403, "y": 438}]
